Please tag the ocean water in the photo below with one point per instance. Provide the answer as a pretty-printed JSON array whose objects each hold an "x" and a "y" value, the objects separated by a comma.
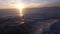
[{"x": 35, "y": 21}]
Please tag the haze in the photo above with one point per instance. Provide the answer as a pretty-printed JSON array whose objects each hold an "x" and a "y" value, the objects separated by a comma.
[{"x": 29, "y": 3}]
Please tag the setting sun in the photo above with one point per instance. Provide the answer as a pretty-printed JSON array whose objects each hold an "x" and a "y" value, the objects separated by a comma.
[{"x": 20, "y": 6}]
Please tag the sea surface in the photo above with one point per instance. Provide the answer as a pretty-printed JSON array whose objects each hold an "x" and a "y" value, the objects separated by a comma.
[{"x": 45, "y": 20}]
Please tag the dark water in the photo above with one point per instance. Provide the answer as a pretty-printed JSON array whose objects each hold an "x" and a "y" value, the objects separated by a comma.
[{"x": 35, "y": 21}]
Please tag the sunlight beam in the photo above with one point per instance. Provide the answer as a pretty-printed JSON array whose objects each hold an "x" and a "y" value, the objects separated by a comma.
[{"x": 20, "y": 7}]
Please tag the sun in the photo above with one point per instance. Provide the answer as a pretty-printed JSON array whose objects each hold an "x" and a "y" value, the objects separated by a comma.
[{"x": 20, "y": 6}]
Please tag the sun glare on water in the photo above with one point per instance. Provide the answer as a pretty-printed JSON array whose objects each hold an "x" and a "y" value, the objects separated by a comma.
[{"x": 20, "y": 7}]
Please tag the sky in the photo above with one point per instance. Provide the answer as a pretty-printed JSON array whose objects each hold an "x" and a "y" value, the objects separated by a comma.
[
  {"x": 26, "y": 1},
  {"x": 29, "y": 2}
]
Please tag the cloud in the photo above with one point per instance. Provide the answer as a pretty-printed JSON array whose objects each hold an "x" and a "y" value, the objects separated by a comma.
[
  {"x": 7, "y": 2},
  {"x": 31, "y": 5},
  {"x": 53, "y": 4}
]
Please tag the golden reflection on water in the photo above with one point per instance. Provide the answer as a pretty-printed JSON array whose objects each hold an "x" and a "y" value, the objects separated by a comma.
[
  {"x": 20, "y": 8},
  {"x": 21, "y": 12},
  {"x": 21, "y": 15},
  {"x": 22, "y": 21}
]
